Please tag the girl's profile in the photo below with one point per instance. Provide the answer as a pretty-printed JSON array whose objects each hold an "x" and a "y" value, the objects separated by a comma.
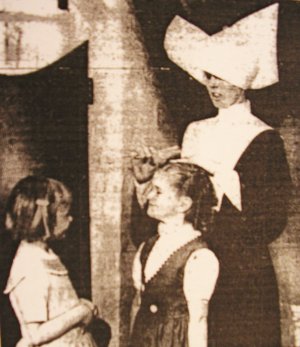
[
  {"x": 46, "y": 305},
  {"x": 174, "y": 272}
]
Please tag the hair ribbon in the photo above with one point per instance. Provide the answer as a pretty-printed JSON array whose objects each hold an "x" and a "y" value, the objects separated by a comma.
[{"x": 42, "y": 210}]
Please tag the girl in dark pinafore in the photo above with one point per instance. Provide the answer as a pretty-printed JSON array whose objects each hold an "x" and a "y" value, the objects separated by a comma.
[{"x": 174, "y": 272}]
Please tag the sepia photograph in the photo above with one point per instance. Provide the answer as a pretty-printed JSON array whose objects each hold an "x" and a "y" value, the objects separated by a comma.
[{"x": 150, "y": 173}]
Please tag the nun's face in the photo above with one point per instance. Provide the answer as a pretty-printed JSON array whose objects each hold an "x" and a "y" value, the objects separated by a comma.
[{"x": 222, "y": 93}]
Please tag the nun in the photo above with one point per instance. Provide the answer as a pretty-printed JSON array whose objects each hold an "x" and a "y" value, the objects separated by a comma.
[{"x": 249, "y": 170}]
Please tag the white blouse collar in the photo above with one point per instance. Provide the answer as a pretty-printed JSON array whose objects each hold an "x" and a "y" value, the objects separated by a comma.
[
  {"x": 218, "y": 143},
  {"x": 176, "y": 230},
  {"x": 28, "y": 258}
]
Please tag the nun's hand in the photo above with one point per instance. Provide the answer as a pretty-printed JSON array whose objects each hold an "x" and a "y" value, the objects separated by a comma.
[
  {"x": 147, "y": 159},
  {"x": 143, "y": 164}
]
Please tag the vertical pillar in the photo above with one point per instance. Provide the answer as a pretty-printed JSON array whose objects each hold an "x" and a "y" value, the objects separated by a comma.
[{"x": 125, "y": 111}]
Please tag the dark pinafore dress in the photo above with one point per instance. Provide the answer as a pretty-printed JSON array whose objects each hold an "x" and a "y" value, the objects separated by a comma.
[{"x": 162, "y": 319}]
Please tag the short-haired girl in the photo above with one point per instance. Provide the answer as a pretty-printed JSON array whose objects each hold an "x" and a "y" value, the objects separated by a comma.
[
  {"x": 174, "y": 272},
  {"x": 42, "y": 296}
]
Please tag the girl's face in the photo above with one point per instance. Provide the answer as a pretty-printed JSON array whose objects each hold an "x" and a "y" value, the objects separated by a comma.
[
  {"x": 222, "y": 93},
  {"x": 164, "y": 200},
  {"x": 63, "y": 221}
]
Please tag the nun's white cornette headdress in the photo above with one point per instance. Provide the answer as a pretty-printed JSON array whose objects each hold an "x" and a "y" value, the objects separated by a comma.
[{"x": 244, "y": 54}]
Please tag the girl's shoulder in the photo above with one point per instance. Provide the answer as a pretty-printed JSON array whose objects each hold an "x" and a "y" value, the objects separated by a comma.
[
  {"x": 28, "y": 263},
  {"x": 28, "y": 258},
  {"x": 197, "y": 248},
  {"x": 204, "y": 255}
]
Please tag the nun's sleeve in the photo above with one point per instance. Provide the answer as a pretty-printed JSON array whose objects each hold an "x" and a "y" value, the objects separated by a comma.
[{"x": 265, "y": 188}]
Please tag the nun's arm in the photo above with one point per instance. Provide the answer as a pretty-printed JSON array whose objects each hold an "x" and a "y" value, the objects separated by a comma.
[{"x": 265, "y": 187}]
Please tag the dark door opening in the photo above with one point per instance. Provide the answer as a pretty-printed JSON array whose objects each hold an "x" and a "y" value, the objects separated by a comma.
[{"x": 43, "y": 130}]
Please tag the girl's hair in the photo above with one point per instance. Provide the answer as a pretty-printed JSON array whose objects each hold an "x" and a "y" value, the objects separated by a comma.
[
  {"x": 193, "y": 181},
  {"x": 33, "y": 205}
]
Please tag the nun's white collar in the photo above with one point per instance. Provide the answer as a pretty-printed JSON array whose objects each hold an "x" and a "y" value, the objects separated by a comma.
[
  {"x": 216, "y": 144},
  {"x": 234, "y": 113}
]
